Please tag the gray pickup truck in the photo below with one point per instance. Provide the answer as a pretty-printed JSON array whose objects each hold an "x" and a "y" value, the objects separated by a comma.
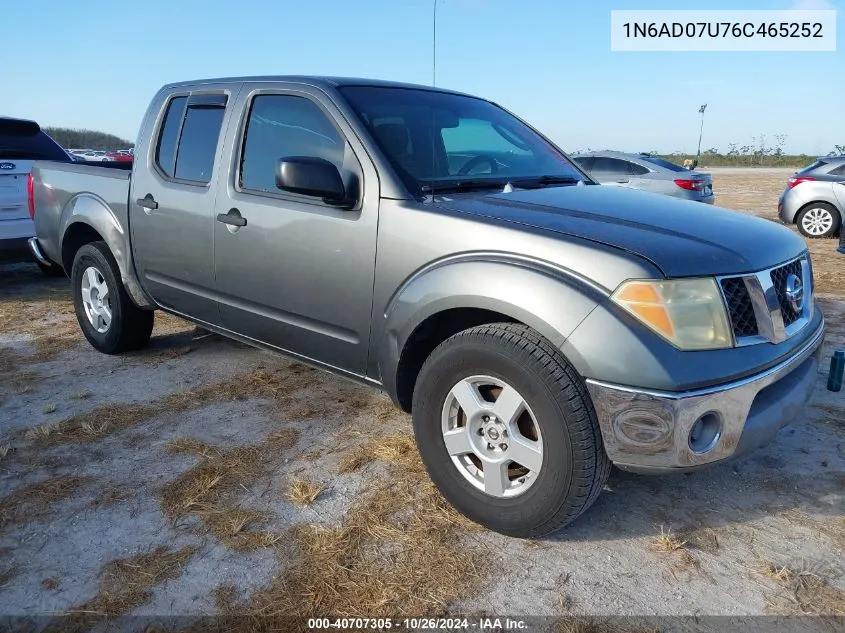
[{"x": 539, "y": 327}]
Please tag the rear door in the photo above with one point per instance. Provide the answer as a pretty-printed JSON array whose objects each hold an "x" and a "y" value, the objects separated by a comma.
[
  {"x": 172, "y": 202},
  {"x": 838, "y": 175},
  {"x": 299, "y": 274}
]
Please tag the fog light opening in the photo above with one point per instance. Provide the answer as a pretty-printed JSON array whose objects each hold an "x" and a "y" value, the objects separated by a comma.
[{"x": 705, "y": 433}]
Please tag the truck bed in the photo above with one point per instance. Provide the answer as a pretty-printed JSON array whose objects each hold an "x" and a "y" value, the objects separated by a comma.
[{"x": 62, "y": 188}]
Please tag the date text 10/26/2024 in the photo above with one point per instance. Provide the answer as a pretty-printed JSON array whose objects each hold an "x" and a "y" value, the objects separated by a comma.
[{"x": 419, "y": 624}]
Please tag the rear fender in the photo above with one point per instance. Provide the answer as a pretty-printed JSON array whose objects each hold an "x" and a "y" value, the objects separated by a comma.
[{"x": 92, "y": 212}]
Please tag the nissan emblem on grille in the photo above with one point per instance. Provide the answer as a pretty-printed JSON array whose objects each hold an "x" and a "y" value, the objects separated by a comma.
[{"x": 795, "y": 292}]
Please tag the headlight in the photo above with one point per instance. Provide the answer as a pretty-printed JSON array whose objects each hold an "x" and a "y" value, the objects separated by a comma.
[{"x": 689, "y": 313}]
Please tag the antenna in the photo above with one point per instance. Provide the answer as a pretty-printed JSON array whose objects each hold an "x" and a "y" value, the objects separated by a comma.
[{"x": 434, "y": 46}]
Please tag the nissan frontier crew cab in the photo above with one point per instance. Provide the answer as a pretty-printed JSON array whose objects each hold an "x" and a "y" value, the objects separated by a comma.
[{"x": 538, "y": 326}]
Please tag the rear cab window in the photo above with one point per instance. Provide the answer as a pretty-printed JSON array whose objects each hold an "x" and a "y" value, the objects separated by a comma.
[
  {"x": 25, "y": 140},
  {"x": 189, "y": 136}
]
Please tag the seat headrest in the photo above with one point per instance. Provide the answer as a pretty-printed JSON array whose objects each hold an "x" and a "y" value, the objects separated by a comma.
[{"x": 394, "y": 137}]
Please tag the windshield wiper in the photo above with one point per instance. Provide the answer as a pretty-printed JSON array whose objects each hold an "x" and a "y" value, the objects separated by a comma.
[
  {"x": 462, "y": 185},
  {"x": 542, "y": 181}
]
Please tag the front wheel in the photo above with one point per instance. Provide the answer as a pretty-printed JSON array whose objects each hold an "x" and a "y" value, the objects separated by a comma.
[
  {"x": 507, "y": 431},
  {"x": 106, "y": 314},
  {"x": 819, "y": 220}
]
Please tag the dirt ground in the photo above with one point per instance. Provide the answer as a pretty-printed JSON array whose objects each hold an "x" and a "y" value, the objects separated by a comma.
[{"x": 200, "y": 476}]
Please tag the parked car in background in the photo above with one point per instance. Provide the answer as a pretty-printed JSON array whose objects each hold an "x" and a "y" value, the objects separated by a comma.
[
  {"x": 121, "y": 156},
  {"x": 814, "y": 198},
  {"x": 22, "y": 142},
  {"x": 648, "y": 173},
  {"x": 538, "y": 326}
]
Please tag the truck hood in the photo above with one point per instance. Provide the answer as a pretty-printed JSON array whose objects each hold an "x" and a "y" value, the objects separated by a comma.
[{"x": 680, "y": 237}]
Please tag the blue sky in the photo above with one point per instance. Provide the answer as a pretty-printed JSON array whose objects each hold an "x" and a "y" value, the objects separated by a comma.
[{"x": 96, "y": 63}]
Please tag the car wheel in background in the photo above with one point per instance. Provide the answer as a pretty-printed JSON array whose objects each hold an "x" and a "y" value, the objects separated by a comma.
[
  {"x": 106, "y": 314},
  {"x": 819, "y": 219},
  {"x": 507, "y": 431}
]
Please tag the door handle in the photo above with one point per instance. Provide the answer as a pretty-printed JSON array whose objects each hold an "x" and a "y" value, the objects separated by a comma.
[
  {"x": 233, "y": 218},
  {"x": 148, "y": 202},
  {"x": 622, "y": 181}
]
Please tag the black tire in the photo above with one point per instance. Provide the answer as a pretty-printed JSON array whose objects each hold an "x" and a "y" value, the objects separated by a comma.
[
  {"x": 51, "y": 271},
  {"x": 575, "y": 465},
  {"x": 130, "y": 327},
  {"x": 815, "y": 207}
]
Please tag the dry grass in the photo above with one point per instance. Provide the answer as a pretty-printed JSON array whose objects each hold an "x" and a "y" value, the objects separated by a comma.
[
  {"x": 354, "y": 459},
  {"x": 806, "y": 592},
  {"x": 4, "y": 449},
  {"x": 7, "y": 574},
  {"x": 303, "y": 493},
  {"x": 208, "y": 490},
  {"x": 111, "y": 495},
  {"x": 596, "y": 625},
  {"x": 125, "y": 584},
  {"x": 35, "y": 501},
  {"x": 50, "y": 323},
  {"x": 50, "y": 584},
  {"x": 781, "y": 574},
  {"x": 380, "y": 559},
  {"x": 666, "y": 542},
  {"x": 111, "y": 418}
]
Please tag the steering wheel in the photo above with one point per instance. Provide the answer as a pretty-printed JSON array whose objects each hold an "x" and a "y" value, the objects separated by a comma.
[{"x": 479, "y": 160}]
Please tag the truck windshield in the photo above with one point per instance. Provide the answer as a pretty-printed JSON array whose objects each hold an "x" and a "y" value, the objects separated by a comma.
[{"x": 440, "y": 141}]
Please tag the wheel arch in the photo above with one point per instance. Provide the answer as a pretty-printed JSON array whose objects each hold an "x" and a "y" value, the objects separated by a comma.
[
  {"x": 448, "y": 299},
  {"x": 91, "y": 219}
]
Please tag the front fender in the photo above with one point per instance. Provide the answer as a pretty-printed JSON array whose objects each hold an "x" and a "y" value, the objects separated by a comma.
[
  {"x": 95, "y": 213},
  {"x": 550, "y": 300}
]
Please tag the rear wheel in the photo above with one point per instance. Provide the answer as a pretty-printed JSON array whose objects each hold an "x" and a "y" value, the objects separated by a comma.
[
  {"x": 106, "y": 314},
  {"x": 507, "y": 431},
  {"x": 818, "y": 220}
]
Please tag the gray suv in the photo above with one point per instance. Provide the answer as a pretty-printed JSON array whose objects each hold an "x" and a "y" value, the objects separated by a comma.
[
  {"x": 814, "y": 198},
  {"x": 648, "y": 173}
]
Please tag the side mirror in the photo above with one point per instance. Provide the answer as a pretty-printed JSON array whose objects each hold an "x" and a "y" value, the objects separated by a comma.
[{"x": 311, "y": 176}]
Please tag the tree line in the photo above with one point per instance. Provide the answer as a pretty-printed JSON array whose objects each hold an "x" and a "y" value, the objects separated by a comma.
[
  {"x": 87, "y": 139},
  {"x": 759, "y": 152}
]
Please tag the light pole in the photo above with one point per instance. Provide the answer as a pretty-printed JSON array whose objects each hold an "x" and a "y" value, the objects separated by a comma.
[
  {"x": 434, "y": 45},
  {"x": 700, "y": 132}
]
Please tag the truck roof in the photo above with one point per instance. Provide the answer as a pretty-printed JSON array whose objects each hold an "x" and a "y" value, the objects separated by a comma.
[{"x": 316, "y": 81}]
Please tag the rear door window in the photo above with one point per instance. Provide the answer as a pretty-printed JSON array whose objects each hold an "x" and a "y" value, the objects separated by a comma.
[
  {"x": 584, "y": 162},
  {"x": 610, "y": 166},
  {"x": 189, "y": 136}
]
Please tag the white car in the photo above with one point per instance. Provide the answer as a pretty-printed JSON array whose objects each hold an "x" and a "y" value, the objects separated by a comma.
[{"x": 22, "y": 142}]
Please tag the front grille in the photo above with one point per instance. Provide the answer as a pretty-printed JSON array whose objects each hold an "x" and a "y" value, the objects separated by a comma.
[
  {"x": 741, "y": 310},
  {"x": 779, "y": 277}
]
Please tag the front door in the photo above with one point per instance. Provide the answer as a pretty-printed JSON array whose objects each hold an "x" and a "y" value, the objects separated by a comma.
[
  {"x": 298, "y": 274},
  {"x": 172, "y": 205}
]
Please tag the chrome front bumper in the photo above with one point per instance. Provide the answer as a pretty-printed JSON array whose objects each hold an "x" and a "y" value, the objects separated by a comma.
[{"x": 648, "y": 431}]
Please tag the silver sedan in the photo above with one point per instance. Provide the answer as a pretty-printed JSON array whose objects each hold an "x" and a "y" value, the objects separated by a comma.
[{"x": 814, "y": 198}]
